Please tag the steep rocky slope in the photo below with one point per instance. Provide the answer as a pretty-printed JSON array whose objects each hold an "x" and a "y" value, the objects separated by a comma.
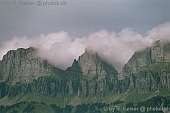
[
  {"x": 23, "y": 65},
  {"x": 97, "y": 76},
  {"x": 139, "y": 59},
  {"x": 149, "y": 69},
  {"x": 90, "y": 66},
  {"x": 23, "y": 72}
]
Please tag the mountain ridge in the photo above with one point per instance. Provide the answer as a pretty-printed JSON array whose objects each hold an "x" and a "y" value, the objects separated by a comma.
[
  {"x": 52, "y": 81},
  {"x": 88, "y": 77}
]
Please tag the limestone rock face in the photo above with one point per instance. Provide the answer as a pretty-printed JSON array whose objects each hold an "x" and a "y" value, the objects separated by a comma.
[
  {"x": 149, "y": 69},
  {"x": 139, "y": 59},
  {"x": 160, "y": 52},
  {"x": 96, "y": 76},
  {"x": 157, "y": 53},
  {"x": 74, "y": 72},
  {"x": 152, "y": 80},
  {"x": 23, "y": 65},
  {"x": 91, "y": 65},
  {"x": 22, "y": 71}
]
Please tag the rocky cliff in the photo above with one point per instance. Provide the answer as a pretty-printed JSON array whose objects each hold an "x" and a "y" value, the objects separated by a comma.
[
  {"x": 23, "y": 65},
  {"x": 22, "y": 71},
  {"x": 160, "y": 51},
  {"x": 139, "y": 59},
  {"x": 148, "y": 69},
  {"x": 92, "y": 65},
  {"x": 97, "y": 76}
]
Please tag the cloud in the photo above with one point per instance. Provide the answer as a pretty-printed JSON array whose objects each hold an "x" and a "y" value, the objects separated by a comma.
[
  {"x": 60, "y": 49},
  {"x": 13, "y": 44},
  {"x": 160, "y": 32},
  {"x": 116, "y": 48}
]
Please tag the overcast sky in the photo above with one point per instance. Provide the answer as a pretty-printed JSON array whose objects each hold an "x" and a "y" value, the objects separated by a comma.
[
  {"x": 115, "y": 29},
  {"x": 80, "y": 18}
]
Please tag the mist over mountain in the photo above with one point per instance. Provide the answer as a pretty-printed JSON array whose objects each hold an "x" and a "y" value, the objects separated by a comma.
[
  {"x": 60, "y": 49},
  {"x": 26, "y": 80}
]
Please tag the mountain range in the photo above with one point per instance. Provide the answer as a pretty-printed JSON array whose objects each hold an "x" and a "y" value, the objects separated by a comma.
[{"x": 26, "y": 78}]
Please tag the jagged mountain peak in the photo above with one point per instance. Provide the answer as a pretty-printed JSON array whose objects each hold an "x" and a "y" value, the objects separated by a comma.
[
  {"x": 90, "y": 51},
  {"x": 160, "y": 42},
  {"x": 159, "y": 52},
  {"x": 156, "y": 43},
  {"x": 21, "y": 51},
  {"x": 88, "y": 76},
  {"x": 24, "y": 65},
  {"x": 91, "y": 64}
]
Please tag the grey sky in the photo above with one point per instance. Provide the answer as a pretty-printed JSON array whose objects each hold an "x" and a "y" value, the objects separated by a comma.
[{"x": 79, "y": 18}]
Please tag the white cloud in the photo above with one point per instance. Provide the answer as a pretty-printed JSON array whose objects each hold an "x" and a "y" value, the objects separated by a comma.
[
  {"x": 14, "y": 43},
  {"x": 160, "y": 32},
  {"x": 60, "y": 49}
]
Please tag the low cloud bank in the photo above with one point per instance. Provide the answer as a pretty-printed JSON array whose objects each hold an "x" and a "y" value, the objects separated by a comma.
[{"x": 60, "y": 49}]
